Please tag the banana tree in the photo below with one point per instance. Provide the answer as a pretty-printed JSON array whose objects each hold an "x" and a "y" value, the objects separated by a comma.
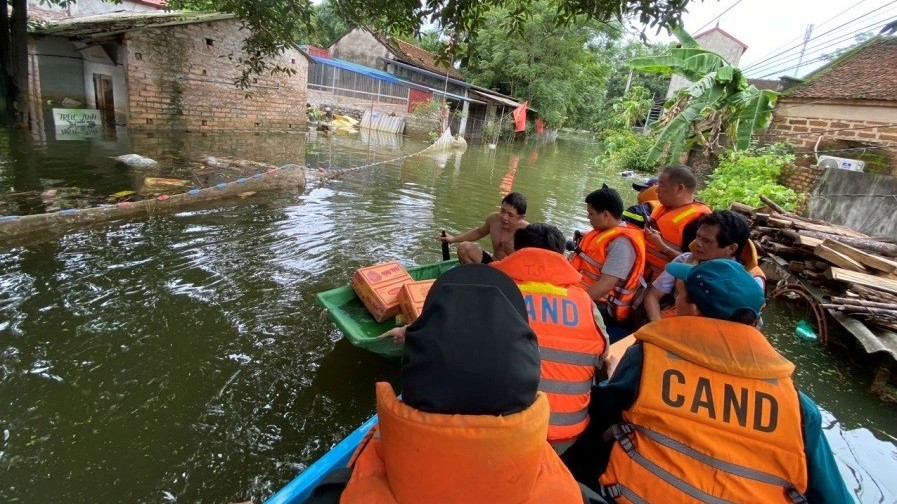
[{"x": 718, "y": 108}]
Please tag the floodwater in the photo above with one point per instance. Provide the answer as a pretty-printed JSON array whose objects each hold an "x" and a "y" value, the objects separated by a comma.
[{"x": 183, "y": 358}]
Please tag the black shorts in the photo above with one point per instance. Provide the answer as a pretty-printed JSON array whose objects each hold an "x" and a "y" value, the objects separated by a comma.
[{"x": 487, "y": 258}]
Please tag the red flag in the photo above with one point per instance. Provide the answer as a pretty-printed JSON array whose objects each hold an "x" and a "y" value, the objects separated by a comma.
[
  {"x": 520, "y": 118},
  {"x": 540, "y": 125}
]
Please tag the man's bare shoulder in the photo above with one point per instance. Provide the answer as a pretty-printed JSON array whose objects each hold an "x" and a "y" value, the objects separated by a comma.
[
  {"x": 493, "y": 218},
  {"x": 522, "y": 224}
]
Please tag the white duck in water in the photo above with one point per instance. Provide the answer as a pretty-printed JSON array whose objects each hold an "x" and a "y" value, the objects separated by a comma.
[{"x": 136, "y": 161}]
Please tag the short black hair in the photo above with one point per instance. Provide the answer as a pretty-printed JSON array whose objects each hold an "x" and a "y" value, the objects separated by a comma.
[
  {"x": 681, "y": 174},
  {"x": 540, "y": 235},
  {"x": 733, "y": 228},
  {"x": 606, "y": 199},
  {"x": 516, "y": 200},
  {"x": 743, "y": 316}
]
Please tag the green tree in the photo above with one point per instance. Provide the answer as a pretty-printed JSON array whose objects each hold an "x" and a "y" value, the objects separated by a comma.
[
  {"x": 719, "y": 109},
  {"x": 329, "y": 24},
  {"x": 552, "y": 66},
  {"x": 619, "y": 53},
  {"x": 274, "y": 24}
]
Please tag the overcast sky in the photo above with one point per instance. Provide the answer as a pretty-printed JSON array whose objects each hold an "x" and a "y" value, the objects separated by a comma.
[{"x": 769, "y": 27}]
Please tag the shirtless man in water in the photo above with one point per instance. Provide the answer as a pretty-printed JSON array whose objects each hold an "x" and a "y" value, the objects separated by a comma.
[{"x": 500, "y": 226}]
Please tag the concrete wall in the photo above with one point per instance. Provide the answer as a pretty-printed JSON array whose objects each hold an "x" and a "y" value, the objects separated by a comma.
[
  {"x": 860, "y": 201},
  {"x": 182, "y": 77},
  {"x": 360, "y": 46}
]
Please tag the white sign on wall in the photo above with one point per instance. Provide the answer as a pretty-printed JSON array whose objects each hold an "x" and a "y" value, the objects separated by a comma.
[
  {"x": 76, "y": 124},
  {"x": 76, "y": 117}
]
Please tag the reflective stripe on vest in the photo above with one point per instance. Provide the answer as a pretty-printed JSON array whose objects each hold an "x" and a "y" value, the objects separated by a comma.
[
  {"x": 621, "y": 296},
  {"x": 716, "y": 418},
  {"x": 621, "y": 434},
  {"x": 565, "y": 387},
  {"x": 570, "y": 357},
  {"x": 568, "y": 418},
  {"x": 671, "y": 223},
  {"x": 571, "y": 345}
]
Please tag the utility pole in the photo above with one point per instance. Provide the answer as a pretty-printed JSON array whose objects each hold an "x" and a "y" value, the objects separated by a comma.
[
  {"x": 628, "y": 82},
  {"x": 803, "y": 48}
]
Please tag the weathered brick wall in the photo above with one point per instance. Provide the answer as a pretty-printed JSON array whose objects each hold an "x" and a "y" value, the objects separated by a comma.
[
  {"x": 802, "y": 180},
  {"x": 842, "y": 137},
  {"x": 181, "y": 78},
  {"x": 354, "y": 107}
]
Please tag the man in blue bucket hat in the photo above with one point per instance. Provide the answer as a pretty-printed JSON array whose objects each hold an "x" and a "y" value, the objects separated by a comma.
[{"x": 702, "y": 407}]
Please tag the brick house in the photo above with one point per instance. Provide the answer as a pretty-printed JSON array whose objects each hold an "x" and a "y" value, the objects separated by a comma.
[
  {"x": 160, "y": 70},
  {"x": 716, "y": 40},
  {"x": 848, "y": 108},
  {"x": 471, "y": 105}
]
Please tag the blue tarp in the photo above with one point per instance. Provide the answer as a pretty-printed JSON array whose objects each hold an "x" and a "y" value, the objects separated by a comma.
[{"x": 363, "y": 70}]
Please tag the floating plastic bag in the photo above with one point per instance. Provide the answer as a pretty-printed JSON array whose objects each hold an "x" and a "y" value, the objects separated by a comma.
[{"x": 805, "y": 332}]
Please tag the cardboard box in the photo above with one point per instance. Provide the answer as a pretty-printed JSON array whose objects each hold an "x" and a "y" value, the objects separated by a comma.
[
  {"x": 378, "y": 287},
  {"x": 411, "y": 299}
]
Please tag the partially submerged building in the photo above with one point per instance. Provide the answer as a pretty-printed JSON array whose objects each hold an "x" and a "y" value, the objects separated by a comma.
[
  {"x": 378, "y": 72},
  {"x": 158, "y": 70}
]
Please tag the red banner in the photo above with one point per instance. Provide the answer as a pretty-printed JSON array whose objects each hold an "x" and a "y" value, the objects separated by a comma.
[
  {"x": 520, "y": 117},
  {"x": 540, "y": 125}
]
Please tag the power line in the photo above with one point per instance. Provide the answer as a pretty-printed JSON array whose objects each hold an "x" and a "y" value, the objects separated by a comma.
[
  {"x": 815, "y": 48},
  {"x": 785, "y": 52},
  {"x": 762, "y": 63},
  {"x": 799, "y": 37},
  {"x": 773, "y": 66},
  {"x": 717, "y": 17}
]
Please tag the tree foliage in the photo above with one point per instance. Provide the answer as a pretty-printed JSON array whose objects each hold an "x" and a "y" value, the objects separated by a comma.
[
  {"x": 618, "y": 54},
  {"x": 719, "y": 108},
  {"x": 552, "y": 66},
  {"x": 274, "y": 24}
]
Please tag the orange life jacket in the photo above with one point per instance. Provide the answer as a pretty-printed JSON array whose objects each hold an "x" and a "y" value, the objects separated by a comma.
[
  {"x": 649, "y": 196},
  {"x": 717, "y": 419},
  {"x": 589, "y": 259},
  {"x": 670, "y": 223},
  {"x": 426, "y": 457},
  {"x": 561, "y": 314}
]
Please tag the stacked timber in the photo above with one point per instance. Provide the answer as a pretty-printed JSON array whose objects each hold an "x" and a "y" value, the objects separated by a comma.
[{"x": 856, "y": 273}]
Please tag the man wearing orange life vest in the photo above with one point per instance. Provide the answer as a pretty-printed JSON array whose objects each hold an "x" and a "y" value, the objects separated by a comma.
[
  {"x": 663, "y": 234},
  {"x": 703, "y": 409},
  {"x": 562, "y": 315},
  {"x": 471, "y": 426},
  {"x": 722, "y": 234},
  {"x": 611, "y": 257}
]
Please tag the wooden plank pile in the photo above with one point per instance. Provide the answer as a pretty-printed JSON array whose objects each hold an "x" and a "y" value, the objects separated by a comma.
[{"x": 857, "y": 273}]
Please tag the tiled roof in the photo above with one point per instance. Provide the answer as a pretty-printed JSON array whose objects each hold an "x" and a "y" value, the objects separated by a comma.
[
  {"x": 868, "y": 72},
  {"x": 416, "y": 56},
  {"x": 725, "y": 34}
]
